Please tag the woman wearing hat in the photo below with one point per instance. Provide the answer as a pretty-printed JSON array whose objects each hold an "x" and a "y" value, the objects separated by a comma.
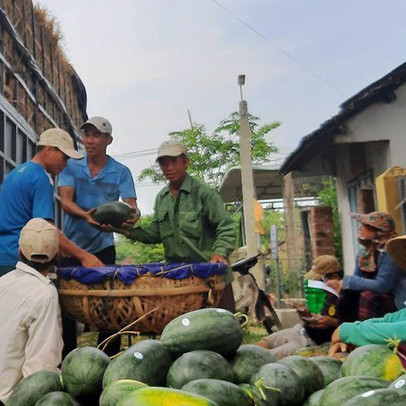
[
  {"x": 378, "y": 283},
  {"x": 378, "y": 330},
  {"x": 314, "y": 328}
]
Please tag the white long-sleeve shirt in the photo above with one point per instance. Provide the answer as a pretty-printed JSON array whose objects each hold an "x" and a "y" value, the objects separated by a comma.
[{"x": 30, "y": 326}]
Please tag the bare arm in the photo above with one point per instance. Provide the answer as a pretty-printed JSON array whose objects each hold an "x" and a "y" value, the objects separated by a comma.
[
  {"x": 68, "y": 247},
  {"x": 69, "y": 206}
]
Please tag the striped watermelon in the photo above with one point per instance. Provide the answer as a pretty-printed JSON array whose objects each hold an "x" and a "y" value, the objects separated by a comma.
[{"x": 373, "y": 360}]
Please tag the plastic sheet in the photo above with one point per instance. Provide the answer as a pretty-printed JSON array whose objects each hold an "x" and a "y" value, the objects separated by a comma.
[{"x": 128, "y": 273}]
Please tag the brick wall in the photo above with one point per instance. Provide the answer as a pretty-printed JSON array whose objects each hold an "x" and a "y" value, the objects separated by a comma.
[{"x": 321, "y": 231}]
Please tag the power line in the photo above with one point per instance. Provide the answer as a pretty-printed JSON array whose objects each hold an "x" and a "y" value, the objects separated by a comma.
[
  {"x": 312, "y": 72},
  {"x": 134, "y": 154}
]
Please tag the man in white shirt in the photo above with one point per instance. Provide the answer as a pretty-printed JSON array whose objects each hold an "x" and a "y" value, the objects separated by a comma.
[{"x": 30, "y": 333}]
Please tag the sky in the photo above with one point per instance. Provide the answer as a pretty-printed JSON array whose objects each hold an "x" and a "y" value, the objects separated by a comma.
[{"x": 145, "y": 63}]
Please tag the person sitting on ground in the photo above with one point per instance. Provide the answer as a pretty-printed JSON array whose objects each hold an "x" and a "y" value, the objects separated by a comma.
[
  {"x": 314, "y": 329},
  {"x": 31, "y": 332},
  {"x": 376, "y": 330},
  {"x": 378, "y": 285}
]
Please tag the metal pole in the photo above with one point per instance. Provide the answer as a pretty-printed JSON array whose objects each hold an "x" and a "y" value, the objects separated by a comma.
[{"x": 275, "y": 255}]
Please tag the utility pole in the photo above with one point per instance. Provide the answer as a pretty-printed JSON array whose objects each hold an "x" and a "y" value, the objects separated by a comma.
[{"x": 247, "y": 183}]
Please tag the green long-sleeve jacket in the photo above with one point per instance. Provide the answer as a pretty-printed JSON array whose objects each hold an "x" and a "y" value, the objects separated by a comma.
[
  {"x": 192, "y": 227},
  {"x": 375, "y": 331}
]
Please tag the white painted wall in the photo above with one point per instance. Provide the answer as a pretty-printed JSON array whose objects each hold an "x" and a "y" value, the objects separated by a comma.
[{"x": 380, "y": 122}]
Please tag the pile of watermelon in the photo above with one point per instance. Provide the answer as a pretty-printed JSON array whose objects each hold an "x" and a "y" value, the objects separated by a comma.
[{"x": 199, "y": 360}]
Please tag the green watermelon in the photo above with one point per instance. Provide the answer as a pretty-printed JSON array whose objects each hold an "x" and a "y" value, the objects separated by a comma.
[
  {"x": 309, "y": 373},
  {"x": 113, "y": 213},
  {"x": 277, "y": 384},
  {"x": 57, "y": 399},
  {"x": 373, "y": 360},
  {"x": 157, "y": 396},
  {"x": 222, "y": 392},
  {"x": 399, "y": 384},
  {"x": 198, "y": 364},
  {"x": 377, "y": 397},
  {"x": 205, "y": 329},
  {"x": 118, "y": 389},
  {"x": 31, "y": 388},
  {"x": 82, "y": 372},
  {"x": 314, "y": 398},
  {"x": 247, "y": 361},
  {"x": 146, "y": 361},
  {"x": 329, "y": 366},
  {"x": 343, "y": 389}
]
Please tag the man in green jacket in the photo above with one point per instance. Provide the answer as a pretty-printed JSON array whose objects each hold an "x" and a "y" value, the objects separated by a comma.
[{"x": 189, "y": 217}]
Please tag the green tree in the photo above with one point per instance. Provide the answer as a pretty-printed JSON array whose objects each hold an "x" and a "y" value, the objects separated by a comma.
[
  {"x": 328, "y": 197},
  {"x": 140, "y": 253},
  {"x": 211, "y": 155}
]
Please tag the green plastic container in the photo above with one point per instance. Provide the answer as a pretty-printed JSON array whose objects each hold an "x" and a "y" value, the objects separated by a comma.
[{"x": 314, "y": 298}]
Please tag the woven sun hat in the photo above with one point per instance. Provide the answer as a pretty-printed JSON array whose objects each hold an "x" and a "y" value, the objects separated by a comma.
[
  {"x": 376, "y": 219},
  {"x": 396, "y": 248},
  {"x": 323, "y": 265}
]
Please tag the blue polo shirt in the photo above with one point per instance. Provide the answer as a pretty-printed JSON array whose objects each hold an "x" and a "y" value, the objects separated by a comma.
[
  {"x": 27, "y": 192},
  {"x": 113, "y": 181}
]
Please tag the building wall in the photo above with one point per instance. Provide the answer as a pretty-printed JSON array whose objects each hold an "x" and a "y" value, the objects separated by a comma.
[{"x": 374, "y": 141}]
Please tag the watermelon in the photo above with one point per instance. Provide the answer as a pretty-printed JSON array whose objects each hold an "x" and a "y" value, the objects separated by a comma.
[
  {"x": 309, "y": 373},
  {"x": 82, "y": 372},
  {"x": 198, "y": 364},
  {"x": 247, "y": 361},
  {"x": 118, "y": 389},
  {"x": 31, "y": 388},
  {"x": 157, "y": 396},
  {"x": 373, "y": 360},
  {"x": 399, "y": 384},
  {"x": 343, "y": 389},
  {"x": 376, "y": 397},
  {"x": 205, "y": 329},
  {"x": 222, "y": 392},
  {"x": 113, "y": 213},
  {"x": 146, "y": 361},
  {"x": 313, "y": 350},
  {"x": 58, "y": 398},
  {"x": 277, "y": 384},
  {"x": 314, "y": 398},
  {"x": 329, "y": 367}
]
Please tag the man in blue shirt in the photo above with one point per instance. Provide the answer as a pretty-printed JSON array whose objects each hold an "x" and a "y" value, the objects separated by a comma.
[
  {"x": 85, "y": 184},
  {"x": 28, "y": 192}
]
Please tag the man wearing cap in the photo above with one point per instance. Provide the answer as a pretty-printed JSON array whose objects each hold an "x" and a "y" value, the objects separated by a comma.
[
  {"x": 27, "y": 192},
  {"x": 30, "y": 334},
  {"x": 189, "y": 217},
  {"x": 83, "y": 185},
  {"x": 315, "y": 328}
]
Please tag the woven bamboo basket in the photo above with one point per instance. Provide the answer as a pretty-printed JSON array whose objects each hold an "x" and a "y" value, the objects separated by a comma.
[{"x": 112, "y": 304}]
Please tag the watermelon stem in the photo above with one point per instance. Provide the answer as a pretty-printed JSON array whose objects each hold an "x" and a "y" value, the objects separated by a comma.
[
  {"x": 393, "y": 344},
  {"x": 242, "y": 316}
]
